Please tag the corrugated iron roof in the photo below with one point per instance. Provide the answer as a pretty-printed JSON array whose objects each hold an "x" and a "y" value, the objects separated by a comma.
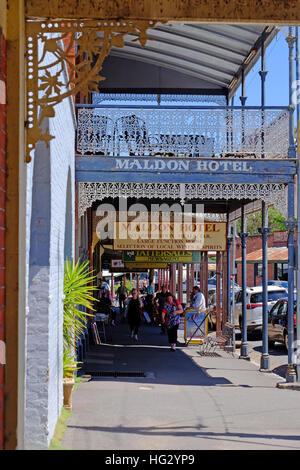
[
  {"x": 214, "y": 53},
  {"x": 275, "y": 255}
]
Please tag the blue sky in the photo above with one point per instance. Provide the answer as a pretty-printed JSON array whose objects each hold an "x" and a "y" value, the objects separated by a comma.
[{"x": 277, "y": 81}]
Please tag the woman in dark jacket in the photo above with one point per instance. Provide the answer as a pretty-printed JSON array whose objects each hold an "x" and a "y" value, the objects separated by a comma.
[{"x": 134, "y": 314}]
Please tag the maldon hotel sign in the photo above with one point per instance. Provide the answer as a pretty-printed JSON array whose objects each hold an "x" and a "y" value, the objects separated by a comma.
[
  {"x": 167, "y": 164},
  {"x": 192, "y": 236}
]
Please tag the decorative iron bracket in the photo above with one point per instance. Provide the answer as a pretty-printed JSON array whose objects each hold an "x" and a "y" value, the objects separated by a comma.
[{"x": 80, "y": 47}]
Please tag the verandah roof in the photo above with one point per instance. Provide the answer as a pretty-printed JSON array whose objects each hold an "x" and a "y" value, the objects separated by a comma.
[{"x": 208, "y": 55}]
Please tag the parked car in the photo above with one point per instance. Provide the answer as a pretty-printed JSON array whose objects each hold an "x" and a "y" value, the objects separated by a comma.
[
  {"x": 278, "y": 323},
  {"x": 254, "y": 305},
  {"x": 212, "y": 284},
  {"x": 278, "y": 283}
]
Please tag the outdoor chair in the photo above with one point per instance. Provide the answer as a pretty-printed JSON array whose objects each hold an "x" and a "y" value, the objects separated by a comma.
[
  {"x": 96, "y": 137},
  {"x": 184, "y": 145},
  {"x": 131, "y": 131},
  {"x": 210, "y": 344}
]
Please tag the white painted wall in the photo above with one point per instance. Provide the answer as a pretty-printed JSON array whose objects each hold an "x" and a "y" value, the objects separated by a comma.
[
  {"x": 62, "y": 155},
  {"x": 47, "y": 181}
]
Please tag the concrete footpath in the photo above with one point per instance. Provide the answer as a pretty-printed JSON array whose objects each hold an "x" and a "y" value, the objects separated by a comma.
[{"x": 185, "y": 401}]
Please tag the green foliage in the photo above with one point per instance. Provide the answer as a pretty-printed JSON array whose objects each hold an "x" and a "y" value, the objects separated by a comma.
[
  {"x": 69, "y": 364},
  {"x": 276, "y": 220},
  {"x": 254, "y": 222},
  {"x": 78, "y": 291},
  {"x": 60, "y": 429},
  {"x": 129, "y": 285}
]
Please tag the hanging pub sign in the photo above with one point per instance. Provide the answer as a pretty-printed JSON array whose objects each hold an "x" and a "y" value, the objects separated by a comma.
[
  {"x": 117, "y": 263},
  {"x": 153, "y": 257},
  {"x": 192, "y": 236}
]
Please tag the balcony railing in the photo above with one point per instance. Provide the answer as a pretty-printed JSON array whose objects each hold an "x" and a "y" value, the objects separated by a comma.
[{"x": 248, "y": 132}]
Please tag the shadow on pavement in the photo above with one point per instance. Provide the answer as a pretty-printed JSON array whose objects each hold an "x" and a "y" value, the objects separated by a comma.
[
  {"x": 150, "y": 355},
  {"x": 192, "y": 432}
]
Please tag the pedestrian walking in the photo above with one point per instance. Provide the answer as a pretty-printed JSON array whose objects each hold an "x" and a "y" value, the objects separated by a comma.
[
  {"x": 171, "y": 318},
  {"x": 134, "y": 314},
  {"x": 105, "y": 301},
  {"x": 160, "y": 302},
  {"x": 150, "y": 288},
  {"x": 104, "y": 293},
  {"x": 122, "y": 294},
  {"x": 143, "y": 289}
]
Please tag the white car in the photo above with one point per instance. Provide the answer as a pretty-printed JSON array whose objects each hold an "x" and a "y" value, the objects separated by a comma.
[{"x": 255, "y": 304}]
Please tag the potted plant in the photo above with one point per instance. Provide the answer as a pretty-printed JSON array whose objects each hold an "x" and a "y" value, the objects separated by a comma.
[
  {"x": 78, "y": 290},
  {"x": 69, "y": 368}
]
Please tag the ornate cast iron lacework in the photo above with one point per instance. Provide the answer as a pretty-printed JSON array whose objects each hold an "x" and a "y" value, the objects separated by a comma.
[
  {"x": 100, "y": 98},
  {"x": 271, "y": 193},
  {"x": 82, "y": 46},
  {"x": 183, "y": 132}
]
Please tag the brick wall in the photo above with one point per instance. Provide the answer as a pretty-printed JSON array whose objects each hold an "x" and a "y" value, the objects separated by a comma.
[
  {"x": 2, "y": 223},
  {"x": 254, "y": 243}
]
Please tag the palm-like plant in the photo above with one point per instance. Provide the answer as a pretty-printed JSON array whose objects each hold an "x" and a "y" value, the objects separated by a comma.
[
  {"x": 69, "y": 364},
  {"x": 78, "y": 291}
]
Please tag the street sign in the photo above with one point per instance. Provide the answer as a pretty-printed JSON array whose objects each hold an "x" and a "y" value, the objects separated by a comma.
[
  {"x": 193, "y": 236},
  {"x": 153, "y": 256},
  {"x": 195, "y": 325}
]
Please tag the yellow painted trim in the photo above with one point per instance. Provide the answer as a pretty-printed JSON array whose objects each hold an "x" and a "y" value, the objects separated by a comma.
[
  {"x": 233, "y": 11},
  {"x": 3, "y": 6},
  {"x": 15, "y": 159}
]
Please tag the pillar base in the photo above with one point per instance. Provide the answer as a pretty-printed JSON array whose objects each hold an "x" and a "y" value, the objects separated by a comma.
[
  {"x": 265, "y": 363},
  {"x": 298, "y": 372},
  {"x": 246, "y": 358},
  {"x": 288, "y": 386},
  {"x": 244, "y": 352},
  {"x": 291, "y": 375}
]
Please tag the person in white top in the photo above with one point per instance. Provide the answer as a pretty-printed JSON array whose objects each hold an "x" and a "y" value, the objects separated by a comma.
[{"x": 198, "y": 298}]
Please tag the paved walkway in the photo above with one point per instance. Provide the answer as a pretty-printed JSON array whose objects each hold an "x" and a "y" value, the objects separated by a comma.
[{"x": 185, "y": 401}]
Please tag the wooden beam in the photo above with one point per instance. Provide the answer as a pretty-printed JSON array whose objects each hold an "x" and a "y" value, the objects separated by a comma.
[
  {"x": 218, "y": 293},
  {"x": 202, "y": 274},
  {"x": 188, "y": 283},
  {"x": 224, "y": 288},
  {"x": 15, "y": 248},
  {"x": 223, "y": 11},
  {"x": 192, "y": 275},
  {"x": 204, "y": 288},
  {"x": 180, "y": 281}
]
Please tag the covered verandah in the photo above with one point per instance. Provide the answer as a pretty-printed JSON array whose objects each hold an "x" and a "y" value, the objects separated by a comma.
[
  {"x": 35, "y": 27},
  {"x": 148, "y": 144}
]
